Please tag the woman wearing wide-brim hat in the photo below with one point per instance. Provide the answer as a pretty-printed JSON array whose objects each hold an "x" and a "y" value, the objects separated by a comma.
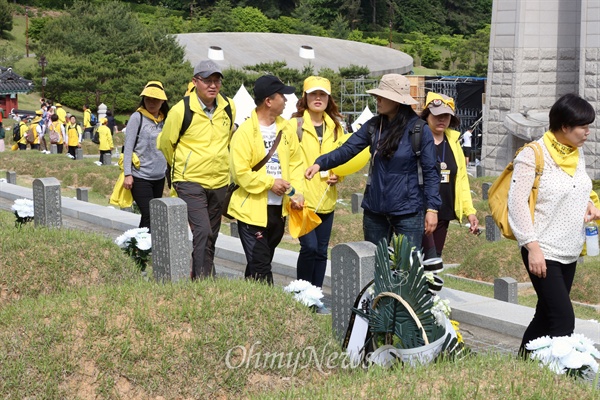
[
  {"x": 393, "y": 200},
  {"x": 148, "y": 181}
]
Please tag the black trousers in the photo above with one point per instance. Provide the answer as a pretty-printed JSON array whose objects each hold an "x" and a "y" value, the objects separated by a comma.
[
  {"x": 144, "y": 190},
  {"x": 554, "y": 315},
  {"x": 259, "y": 244},
  {"x": 204, "y": 216}
]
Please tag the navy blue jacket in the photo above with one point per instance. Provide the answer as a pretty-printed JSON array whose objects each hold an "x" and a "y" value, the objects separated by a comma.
[{"x": 394, "y": 183}]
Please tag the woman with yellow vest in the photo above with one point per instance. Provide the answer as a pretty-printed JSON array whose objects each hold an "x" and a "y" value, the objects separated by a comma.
[
  {"x": 106, "y": 143},
  {"x": 73, "y": 135},
  {"x": 56, "y": 133},
  {"x": 455, "y": 192},
  {"x": 317, "y": 123}
]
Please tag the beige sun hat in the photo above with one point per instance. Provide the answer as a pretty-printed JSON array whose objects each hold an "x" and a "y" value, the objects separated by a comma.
[{"x": 394, "y": 87}]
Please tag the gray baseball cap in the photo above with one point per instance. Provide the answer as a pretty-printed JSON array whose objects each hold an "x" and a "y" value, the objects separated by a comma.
[{"x": 206, "y": 68}]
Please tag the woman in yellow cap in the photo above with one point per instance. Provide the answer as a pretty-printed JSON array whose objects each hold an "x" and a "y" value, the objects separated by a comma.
[
  {"x": 317, "y": 123},
  {"x": 455, "y": 192},
  {"x": 148, "y": 181}
]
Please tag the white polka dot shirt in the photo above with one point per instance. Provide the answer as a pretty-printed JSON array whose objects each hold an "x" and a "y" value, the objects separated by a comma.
[{"x": 560, "y": 208}]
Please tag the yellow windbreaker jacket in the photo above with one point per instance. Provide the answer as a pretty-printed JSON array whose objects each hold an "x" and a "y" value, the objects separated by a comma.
[
  {"x": 463, "y": 203},
  {"x": 249, "y": 203},
  {"x": 311, "y": 149},
  {"x": 202, "y": 154}
]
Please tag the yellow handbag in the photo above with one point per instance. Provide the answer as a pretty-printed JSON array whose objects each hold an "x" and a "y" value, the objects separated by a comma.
[{"x": 120, "y": 196}]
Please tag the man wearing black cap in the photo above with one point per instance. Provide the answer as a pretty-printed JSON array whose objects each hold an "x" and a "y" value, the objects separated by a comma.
[
  {"x": 260, "y": 203},
  {"x": 195, "y": 143}
]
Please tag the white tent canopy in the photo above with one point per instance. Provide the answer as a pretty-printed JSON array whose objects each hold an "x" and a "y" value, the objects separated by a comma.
[
  {"x": 244, "y": 104},
  {"x": 364, "y": 117}
]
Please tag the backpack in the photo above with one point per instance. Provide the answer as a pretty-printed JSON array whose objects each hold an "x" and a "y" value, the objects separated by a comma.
[
  {"x": 93, "y": 119},
  {"x": 185, "y": 124},
  {"x": 96, "y": 135},
  {"x": 30, "y": 134},
  {"x": 415, "y": 135},
  {"x": 498, "y": 193},
  {"x": 17, "y": 132},
  {"x": 53, "y": 134}
]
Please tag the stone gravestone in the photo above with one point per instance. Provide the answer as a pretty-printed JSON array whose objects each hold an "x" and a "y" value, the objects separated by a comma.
[
  {"x": 106, "y": 159},
  {"x": 47, "y": 203},
  {"x": 352, "y": 267},
  {"x": 233, "y": 228},
  {"x": 357, "y": 199},
  {"x": 479, "y": 171},
  {"x": 79, "y": 153},
  {"x": 492, "y": 232},
  {"x": 82, "y": 193},
  {"x": 87, "y": 135},
  {"x": 11, "y": 177},
  {"x": 53, "y": 149},
  {"x": 506, "y": 289},
  {"x": 171, "y": 246},
  {"x": 485, "y": 188}
]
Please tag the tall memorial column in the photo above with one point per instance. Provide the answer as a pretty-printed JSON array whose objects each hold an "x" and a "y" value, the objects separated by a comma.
[{"x": 539, "y": 50}]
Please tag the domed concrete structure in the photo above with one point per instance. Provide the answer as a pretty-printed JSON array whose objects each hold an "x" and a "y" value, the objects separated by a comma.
[{"x": 250, "y": 48}]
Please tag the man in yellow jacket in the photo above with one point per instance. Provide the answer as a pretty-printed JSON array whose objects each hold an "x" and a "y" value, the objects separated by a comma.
[
  {"x": 199, "y": 159},
  {"x": 259, "y": 204}
]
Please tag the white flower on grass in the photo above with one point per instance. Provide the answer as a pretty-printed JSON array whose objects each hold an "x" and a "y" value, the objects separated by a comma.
[
  {"x": 297, "y": 286},
  {"x": 143, "y": 241},
  {"x": 23, "y": 208},
  {"x": 305, "y": 292},
  {"x": 573, "y": 354}
]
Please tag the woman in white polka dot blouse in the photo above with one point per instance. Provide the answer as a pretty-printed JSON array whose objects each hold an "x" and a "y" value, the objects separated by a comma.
[{"x": 552, "y": 242}]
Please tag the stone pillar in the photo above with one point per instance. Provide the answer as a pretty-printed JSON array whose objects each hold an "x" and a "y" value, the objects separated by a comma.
[
  {"x": 102, "y": 111},
  {"x": 79, "y": 153},
  {"x": 171, "y": 246},
  {"x": 11, "y": 177},
  {"x": 357, "y": 199},
  {"x": 538, "y": 52},
  {"x": 506, "y": 289},
  {"x": 82, "y": 193},
  {"x": 352, "y": 267},
  {"x": 492, "y": 232},
  {"x": 485, "y": 187},
  {"x": 53, "y": 149},
  {"x": 47, "y": 203},
  {"x": 106, "y": 159}
]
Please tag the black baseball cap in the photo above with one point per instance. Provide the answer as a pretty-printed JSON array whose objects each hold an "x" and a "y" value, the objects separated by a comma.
[{"x": 268, "y": 85}]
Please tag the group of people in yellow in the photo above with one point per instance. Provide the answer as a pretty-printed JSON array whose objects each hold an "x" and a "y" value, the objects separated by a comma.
[
  {"x": 61, "y": 129},
  {"x": 276, "y": 166}
]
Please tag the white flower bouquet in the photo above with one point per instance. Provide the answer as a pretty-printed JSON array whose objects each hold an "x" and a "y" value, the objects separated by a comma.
[
  {"x": 306, "y": 293},
  {"x": 573, "y": 355},
  {"x": 137, "y": 243},
  {"x": 23, "y": 209}
]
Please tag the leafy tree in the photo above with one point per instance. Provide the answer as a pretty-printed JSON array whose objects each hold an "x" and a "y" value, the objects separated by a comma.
[
  {"x": 339, "y": 27},
  {"x": 220, "y": 18},
  {"x": 105, "y": 54},
  {"x": 422, "y": 47},
  {"x": 453, "y": 44},
  {"x": 9, "y": 55},
  {"x": 285, "y": 25},
  {"x": 353, "y": 71},
  {"x": 355, "y": 35},
  {"x": 6, "y": 19},
  {"x": 249, "y": 19}
]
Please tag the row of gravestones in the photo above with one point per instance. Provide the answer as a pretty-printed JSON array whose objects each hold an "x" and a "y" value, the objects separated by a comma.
[
  {"x": 106, "y": 158},
  {"x": 352, "y": 264}
]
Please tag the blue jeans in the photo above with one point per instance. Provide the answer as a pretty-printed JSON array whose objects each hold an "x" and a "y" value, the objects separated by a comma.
[
  {"x": 379, "y": 226},
  {"x": 312, "y": 260}
]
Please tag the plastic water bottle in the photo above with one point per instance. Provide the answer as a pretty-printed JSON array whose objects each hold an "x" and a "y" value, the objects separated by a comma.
[
  {"x": 290, "y": 191},
  {"x": 591, "y": 239}
]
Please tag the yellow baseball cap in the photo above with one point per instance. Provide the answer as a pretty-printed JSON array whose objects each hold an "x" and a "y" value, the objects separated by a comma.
[{"x": 313, "y": 83}]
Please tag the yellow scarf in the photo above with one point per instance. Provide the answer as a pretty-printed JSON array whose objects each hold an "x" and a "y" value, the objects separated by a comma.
[
  {"x": 150, "y": 116},
  {"x": 565, "y": 156}
]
